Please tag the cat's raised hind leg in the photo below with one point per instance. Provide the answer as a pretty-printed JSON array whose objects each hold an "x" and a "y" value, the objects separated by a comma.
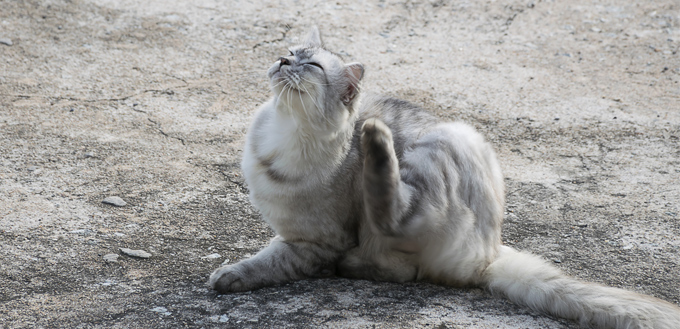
[{"x": 386, "y": 198}]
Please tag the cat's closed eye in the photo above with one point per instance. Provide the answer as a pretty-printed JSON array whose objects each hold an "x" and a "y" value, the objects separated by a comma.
[{"x": 315, "y": 64}]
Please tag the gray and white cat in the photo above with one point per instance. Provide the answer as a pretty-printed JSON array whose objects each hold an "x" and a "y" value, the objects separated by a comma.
[{"x": 372, "y": 187}]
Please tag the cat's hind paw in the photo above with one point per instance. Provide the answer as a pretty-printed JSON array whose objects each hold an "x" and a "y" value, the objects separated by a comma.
[{"x": 375, "y": 133}]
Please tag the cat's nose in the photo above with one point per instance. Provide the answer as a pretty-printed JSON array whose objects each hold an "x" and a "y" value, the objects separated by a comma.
[{"x": 284, "y": 61}]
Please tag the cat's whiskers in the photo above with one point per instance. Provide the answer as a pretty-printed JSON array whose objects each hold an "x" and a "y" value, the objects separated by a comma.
[
  {"x": 315, "y": 83},
  {"x": 304, "y": 108},
  {"x": 308, "y": 93},
  {"x": 278, "y": 98},
  {"x": 274, "y": 87},
  {"x": 319, "y": 108}
]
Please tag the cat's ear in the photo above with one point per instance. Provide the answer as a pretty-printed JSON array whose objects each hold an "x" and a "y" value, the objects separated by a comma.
[
  {"x": 354, "y": 72},
  {"x": 313, "y": 39}
]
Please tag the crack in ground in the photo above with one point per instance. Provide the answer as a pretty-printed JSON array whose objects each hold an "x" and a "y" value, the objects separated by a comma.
[
  {"x": 75, "y": 99},
  {"x": 158, "y": 126},
  {"x": 286, "y": 28}
]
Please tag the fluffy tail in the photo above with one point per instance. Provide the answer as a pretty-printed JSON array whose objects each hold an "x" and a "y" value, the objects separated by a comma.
[{"x": 531, "y": 281}]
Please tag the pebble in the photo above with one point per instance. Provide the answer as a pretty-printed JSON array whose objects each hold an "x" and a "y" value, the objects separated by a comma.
[
  {"x": 221, "y": 318},
  {"x": 135, "y": 253},
  {"x": 6, "y": 41},
  {"x": 115, "y": 201},
  {"x": 89, "y": 154},
  {"x": 111, "y": 258},
  {"x": 161, "y": 310},
  {"x": 32, "y": 168},
  {"x": 83, "y": 231},
  {"x": 212, "y": 256},
  {"x": 557, "y": 261},
  {"x": 107, "y": 283}
]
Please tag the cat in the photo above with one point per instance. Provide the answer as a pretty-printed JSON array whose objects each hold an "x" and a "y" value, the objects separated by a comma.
[{"x": 371, "y": 187}]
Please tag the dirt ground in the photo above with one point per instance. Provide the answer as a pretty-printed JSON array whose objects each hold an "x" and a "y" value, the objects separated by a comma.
[{"x": 150, "y": 100}]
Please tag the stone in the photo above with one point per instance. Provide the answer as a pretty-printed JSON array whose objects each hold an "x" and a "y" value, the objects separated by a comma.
[
  {"x": 6, "y": 41},
  {"x": 111, "y": 258},
  {"x": 135, "y": 253},
  {"x": 115, "y": 201},
  {"x": 161, "y": 310},
  {"x": 212, "y": 256}
]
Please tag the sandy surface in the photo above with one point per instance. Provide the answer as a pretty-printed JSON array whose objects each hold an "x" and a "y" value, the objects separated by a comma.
[{"x": 150, "y": 102}]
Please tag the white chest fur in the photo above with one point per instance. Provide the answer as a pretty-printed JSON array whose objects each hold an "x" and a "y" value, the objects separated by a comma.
[{"x": 288, "y": 168}]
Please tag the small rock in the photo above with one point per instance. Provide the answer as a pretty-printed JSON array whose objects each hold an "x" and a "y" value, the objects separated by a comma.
[
  {"x": 225, "y": 262},
  {"x": 628, "y": 247},
  {"x": 83, "y": 231},
  {"x": 111, "y": 258},
  {"x": 557, "y": 261},
  {"x": 219, "y": 318},
  {"x": 212, "y": 256},
  {"x": 115, "y": 201},
  {"x": 89, "y": 154},
  {"x": 32, "y": 168},
  {"x": 107, "y": 283},
  {"x": 6, "y": 41},
  {"x": 135, "y": 253},
  {"x": 161, "y": 310}
]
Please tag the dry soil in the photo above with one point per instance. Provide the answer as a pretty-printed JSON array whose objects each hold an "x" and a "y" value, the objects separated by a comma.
[{"x": 149, "y": 101}]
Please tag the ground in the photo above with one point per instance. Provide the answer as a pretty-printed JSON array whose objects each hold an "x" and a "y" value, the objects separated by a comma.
[{"x": 149, "y": 101}]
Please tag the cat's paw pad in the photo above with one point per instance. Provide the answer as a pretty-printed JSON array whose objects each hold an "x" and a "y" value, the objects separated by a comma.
[{"x": 226, "y": 279}]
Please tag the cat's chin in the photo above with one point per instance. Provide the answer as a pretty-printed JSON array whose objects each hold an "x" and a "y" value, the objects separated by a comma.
[{"x": 275, "y": 77}]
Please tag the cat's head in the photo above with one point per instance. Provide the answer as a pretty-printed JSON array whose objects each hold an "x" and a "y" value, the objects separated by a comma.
[{"x": 315, "y": 84}]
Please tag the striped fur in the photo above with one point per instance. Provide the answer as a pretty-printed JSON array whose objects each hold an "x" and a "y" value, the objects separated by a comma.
[{"x": 371, "y": 187}]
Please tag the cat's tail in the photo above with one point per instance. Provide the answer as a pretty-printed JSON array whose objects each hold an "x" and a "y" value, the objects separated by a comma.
[{"x": 531, "y": 281}]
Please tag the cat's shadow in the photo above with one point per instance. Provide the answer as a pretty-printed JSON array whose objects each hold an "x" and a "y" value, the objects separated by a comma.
[{"x": 340, "y": 302}]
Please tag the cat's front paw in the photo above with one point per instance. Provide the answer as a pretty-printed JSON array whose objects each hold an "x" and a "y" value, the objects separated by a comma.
[{"x": 228, "y": 279}]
